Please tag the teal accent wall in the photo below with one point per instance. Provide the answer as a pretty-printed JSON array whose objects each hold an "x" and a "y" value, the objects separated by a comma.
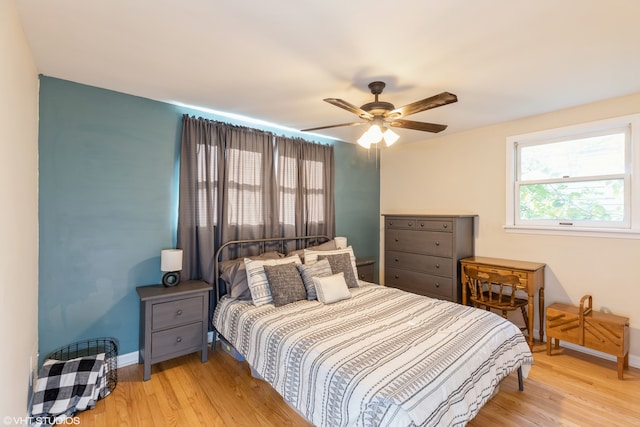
[{"x": 108, "y": 197}]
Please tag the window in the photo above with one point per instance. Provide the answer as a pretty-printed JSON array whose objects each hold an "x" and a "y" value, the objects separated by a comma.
[{"x": 575, "y": 179}]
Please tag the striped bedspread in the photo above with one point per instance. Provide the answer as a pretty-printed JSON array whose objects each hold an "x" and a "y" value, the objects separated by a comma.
[{"x": 382, "y": 358}]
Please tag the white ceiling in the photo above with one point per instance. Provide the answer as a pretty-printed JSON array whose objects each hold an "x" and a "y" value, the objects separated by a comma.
[{"x": 276, "y": 60}]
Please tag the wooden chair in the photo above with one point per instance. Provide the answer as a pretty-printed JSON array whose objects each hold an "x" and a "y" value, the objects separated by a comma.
[{"x": 494, "y": 290}]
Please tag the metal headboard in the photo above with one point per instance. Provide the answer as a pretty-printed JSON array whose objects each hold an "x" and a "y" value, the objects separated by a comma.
[{"x": 261, "y": 242}]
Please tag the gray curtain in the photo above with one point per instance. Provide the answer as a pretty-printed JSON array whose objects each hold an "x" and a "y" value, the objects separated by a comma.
[
  {"x": 227, "y": 191},
  {"x": 306, "y": 186}
]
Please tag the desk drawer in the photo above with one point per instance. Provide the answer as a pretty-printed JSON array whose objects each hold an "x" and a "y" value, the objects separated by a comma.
[
  {"x": 522, "y": 275},
  {"x": 176, "y": 340},
  {"x": 419, "y": 262},
  {"x": 175, "y": 313},
  {"x": 420, "y": 283},
  {"x": 422, "y": 242}
]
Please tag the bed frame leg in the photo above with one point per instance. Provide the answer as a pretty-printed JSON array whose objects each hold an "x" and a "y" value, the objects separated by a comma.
[{"x": 520, "y": 384}]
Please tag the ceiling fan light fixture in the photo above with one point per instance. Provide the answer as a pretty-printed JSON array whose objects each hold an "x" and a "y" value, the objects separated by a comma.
[
  {"x": 374, "y": 134},
  {"x": 390, "y": 137},
  {"x": 364, "y": 141}
]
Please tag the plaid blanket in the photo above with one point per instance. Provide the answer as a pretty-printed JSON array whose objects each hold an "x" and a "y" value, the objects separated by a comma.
[{"x": 66, "y": 387}]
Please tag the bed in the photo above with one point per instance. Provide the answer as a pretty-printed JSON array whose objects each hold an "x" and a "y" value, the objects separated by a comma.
[{"x": 379, "y": 357}]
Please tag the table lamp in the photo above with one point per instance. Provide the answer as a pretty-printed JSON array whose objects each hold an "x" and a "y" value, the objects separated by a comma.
[{"x": 171, "y": 264}]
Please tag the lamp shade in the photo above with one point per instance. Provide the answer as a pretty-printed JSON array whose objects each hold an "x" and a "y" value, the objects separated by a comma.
[{"x": 171, "y": 260}]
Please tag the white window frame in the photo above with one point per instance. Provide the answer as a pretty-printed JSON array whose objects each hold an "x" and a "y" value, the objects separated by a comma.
[{"x": 631, "y": 227}]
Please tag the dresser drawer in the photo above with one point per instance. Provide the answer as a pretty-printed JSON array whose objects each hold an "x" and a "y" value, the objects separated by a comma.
[
  {"x": 176, "y": 340},
  {"x": 422, "y": 242},
  {"x": 420, "y": 283},
  {"x": 434, "y": 225},
  {"x": 419, "y": 262},
  {"x": 400, "y": 223},
  {"x": 175, "y": 313}
]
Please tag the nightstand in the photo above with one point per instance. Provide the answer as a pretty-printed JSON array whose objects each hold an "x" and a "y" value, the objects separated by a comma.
[
  {"x": 173, "y": 321},
  {"x": 366, "y": 268}
]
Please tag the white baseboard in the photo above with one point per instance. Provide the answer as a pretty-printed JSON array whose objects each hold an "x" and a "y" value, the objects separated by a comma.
[
  {"x": 127, "y": 359},
  {"x": 634, "y": 361}
]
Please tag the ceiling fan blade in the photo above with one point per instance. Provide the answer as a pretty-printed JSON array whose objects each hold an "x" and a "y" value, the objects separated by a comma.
[
  {"x": 410, "y": 124},
  {"x": 349, "y": 107},
  {"x": 334, "y": 126},
  {"x": 439, "y": 100}
]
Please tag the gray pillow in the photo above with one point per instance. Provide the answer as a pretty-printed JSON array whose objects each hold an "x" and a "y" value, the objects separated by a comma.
[
  {"x": 326, "y": 246},
  {"x": 341, "y": 263},
  {"x": 321, "y": 268},
  {"x": 234, "y": 274},
  {"x": 285, "y": 284}
]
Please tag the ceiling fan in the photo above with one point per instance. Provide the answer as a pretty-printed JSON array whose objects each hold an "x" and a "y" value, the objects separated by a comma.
[{"x": 382, "y": 115}]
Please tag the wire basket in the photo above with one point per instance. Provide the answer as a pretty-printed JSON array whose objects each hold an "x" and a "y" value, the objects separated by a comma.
[{"x": 91, "y": 347}]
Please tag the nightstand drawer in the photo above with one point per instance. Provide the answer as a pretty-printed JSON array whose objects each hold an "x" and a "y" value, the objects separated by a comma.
[
  {"x": 176, "y": 340},
  {"x": 175, "y": 313}
]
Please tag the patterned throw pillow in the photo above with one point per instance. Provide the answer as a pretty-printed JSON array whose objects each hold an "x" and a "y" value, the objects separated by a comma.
[
  {"x": 341, "y": 263},
  {"x": 234, "y": 275},
  {"x": 257, "y": 278},
  {"x": 285, "y": 284},
  {"x": 332, "y": 288},
  {"x": 311, "y": 256},
  {"x": 309, "y": 271}
]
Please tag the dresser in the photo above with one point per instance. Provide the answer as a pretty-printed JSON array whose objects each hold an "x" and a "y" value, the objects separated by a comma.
[
  {"x": 531, "y": 275},
  {"x": 173, "y": 322},
  {"x": 422, "y": 253}
]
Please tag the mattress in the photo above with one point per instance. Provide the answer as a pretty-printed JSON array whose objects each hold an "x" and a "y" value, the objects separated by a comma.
[{"x": 384, "y": 357}]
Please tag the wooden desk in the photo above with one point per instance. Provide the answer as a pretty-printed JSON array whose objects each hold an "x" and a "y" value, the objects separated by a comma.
[{"x": 531, "y": 276}]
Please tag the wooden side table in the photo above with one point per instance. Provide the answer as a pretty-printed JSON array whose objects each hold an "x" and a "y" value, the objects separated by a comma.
[
  {"x": 366, "y": 269},
  {"x": 531, "y": 276},
  {"x": 173, "y": 322}
]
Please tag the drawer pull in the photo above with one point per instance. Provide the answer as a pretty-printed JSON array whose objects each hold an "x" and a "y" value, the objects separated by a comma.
[
  {"x": 422, "y": 224},
  {"x": 445, "y": 225},
  {"x": 437, "y": 243},
  {"x": 437, "y": 285},
  {"x": 179, "y": 339},
  {"x": 396, "y": 276},
  {"x": 409, "y": 224},
  {"x": 437, "y": 265},
  {"x": 397, "y": 240},
  {"x": 390, "y": 222},
  {"x": 179, "y": 313},
  {"x": 396, "y": 259}
]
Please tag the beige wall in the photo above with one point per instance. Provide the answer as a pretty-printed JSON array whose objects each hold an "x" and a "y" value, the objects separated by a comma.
[
  {"x": 19, "y": 213},
  {"x": 465, "y": 173}
]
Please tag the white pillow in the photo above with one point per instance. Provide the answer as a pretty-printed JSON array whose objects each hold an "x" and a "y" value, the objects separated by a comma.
[
  {"x": 257, "y": 278},
  {"x": 331, "y": 288},
  {"x": 311, "y": 256}
]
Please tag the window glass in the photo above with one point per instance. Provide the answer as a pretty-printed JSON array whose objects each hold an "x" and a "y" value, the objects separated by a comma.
[
  {"x": 596, "y": 155},
  {"x": 574, "y": 178}
]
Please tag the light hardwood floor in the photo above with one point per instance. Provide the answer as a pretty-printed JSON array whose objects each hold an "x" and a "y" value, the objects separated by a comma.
[{"x": 567, "y": 389}]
